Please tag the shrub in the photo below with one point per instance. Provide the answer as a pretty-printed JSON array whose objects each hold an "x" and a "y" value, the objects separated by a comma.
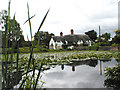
[
  {"x": 113, "y": 77},
  {"x": 115, "y": 44},
  {"x": 94, "y": 47}
]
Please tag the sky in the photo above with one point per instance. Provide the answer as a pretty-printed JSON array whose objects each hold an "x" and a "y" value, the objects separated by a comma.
[{"x": 64, "y": 15}]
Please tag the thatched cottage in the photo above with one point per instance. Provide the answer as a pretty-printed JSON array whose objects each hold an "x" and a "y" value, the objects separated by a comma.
[{"x": 71, "y": 40}]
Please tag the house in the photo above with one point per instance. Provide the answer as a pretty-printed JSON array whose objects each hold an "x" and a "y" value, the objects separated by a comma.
[{"x": 71, "y": 40}]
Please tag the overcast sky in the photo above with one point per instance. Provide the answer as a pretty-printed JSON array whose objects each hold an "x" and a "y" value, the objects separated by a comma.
[{"x": 79, "y": 15}]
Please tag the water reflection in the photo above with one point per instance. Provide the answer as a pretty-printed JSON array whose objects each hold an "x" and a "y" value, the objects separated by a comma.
[
  {"x": 73, "y": 68},
  {"x": 100, "y": 67},
  {"x": 85, "y": 74},
  {"x": 73, "y": 64},
  {"x": 91, "y": 63},
  {"x": 78, "y": 74},
  {"x": 62, "y": 66}
]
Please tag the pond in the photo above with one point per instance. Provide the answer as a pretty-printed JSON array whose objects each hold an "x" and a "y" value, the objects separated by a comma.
[
  {"x": 76, "y": 69},
  {"x": 81, "y": 74}
]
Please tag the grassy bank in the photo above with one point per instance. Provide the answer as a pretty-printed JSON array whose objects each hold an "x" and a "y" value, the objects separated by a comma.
[{"x": 42, "y": 49}]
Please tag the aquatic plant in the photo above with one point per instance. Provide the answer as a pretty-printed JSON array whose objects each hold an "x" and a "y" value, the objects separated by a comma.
[{"x": 66, "y": 57}]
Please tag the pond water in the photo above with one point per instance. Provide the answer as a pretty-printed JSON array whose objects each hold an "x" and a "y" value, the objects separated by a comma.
[{"x": 82, "y": 74}]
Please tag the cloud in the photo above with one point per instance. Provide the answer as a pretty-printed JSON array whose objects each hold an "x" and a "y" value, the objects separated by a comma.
[{"x": 80, "y": 15}]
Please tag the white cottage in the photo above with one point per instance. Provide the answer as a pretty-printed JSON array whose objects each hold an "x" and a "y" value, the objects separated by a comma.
[{"x": 57, "y": 42}]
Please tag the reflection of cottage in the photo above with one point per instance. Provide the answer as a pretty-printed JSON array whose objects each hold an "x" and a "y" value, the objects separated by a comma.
[
  {"x": 57, "y": 42},
  {"x": 91, "y": 63}
]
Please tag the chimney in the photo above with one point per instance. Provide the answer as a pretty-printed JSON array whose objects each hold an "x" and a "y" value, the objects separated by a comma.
[
  {"x": 72, "y": 31},
  {"x": 61, "y": 34}
]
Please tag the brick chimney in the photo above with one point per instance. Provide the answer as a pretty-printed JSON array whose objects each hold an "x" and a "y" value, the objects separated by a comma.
[
  {"x": 72, "y": 31},
  {"x": 61, "y": 33}
]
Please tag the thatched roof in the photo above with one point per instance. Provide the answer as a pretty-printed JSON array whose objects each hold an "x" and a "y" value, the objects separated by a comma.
[
  {"x": 58, "y": 38},
  {"x": 72, "y": 38}
]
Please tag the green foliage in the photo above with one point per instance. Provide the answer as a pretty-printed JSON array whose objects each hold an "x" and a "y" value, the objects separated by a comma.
[
  {"x": 21, "y": 41},
  {"x": 117, "y": 32},
  {"x": 14, "y": 25},
  {"x": 24, "y": 50},
  {"x": 116, "y": 55},
  {"x": 105, "y": 36},
  {"x": 41, "y": 49},
  {"x": 113, "y": 77},
  {"x": 92, "y": 34},
  {"x": 116, "y": 38},
  {"x": 7, "y": 81},
  {"x": 104, "y": 40},
  {"x": 115, "y": 44},
  {"x": 100, "y": 55},
  {"x": 44, "y": 37},
  {"x": 13, "y": 33},
  {"x": 105, "y": 43},
  {"x": 27, "y": 50},
  {"x": 3, "y": 17},
  {"x": 94, "y": 47}
]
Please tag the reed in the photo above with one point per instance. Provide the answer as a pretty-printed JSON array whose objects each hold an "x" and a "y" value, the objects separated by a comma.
[
  {"x": 41, "y": 26},
  {"x": 5, "y": 82},
  {"x": 9, "y": 71},
  {"x": 31, "y": 58}
]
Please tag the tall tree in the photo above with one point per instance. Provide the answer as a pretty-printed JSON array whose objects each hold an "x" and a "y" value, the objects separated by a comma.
[
  {"x": 15, "y": 30},
  {"x": 14, "y": 33},
  {"x": 92, "y": 34},
  {"x": 44, "y": 37}
]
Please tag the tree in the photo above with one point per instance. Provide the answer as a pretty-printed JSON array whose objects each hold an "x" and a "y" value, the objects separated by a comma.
[
  {"x": 14, "y": 33},
  {"x": 103, "y": 40},
  {"x": 105, "y": 36},
  {"x": 44, "y": 37},
  {"x": 92, "y": 34},
  {"x": 21, "y": 41},
  {"x": 117, "y": 32},
  {"x": 15, "y": 30},
  {"x": 3, "y": 17},
  {"x": 116, "y": 38}
]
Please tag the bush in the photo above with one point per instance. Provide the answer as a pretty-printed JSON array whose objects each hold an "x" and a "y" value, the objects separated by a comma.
[
  {"x": 115, "y": 44},
  {"x": 94, "y": 47},
  {"x": 104, "y": 43},
  {"x": 104, "y": 48},
  {"x": 44, "y": 50},
  {"x": 24, "y": 50},
  {"x": 113, "y": 77},
  {"x": 68, "y": 49}
]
